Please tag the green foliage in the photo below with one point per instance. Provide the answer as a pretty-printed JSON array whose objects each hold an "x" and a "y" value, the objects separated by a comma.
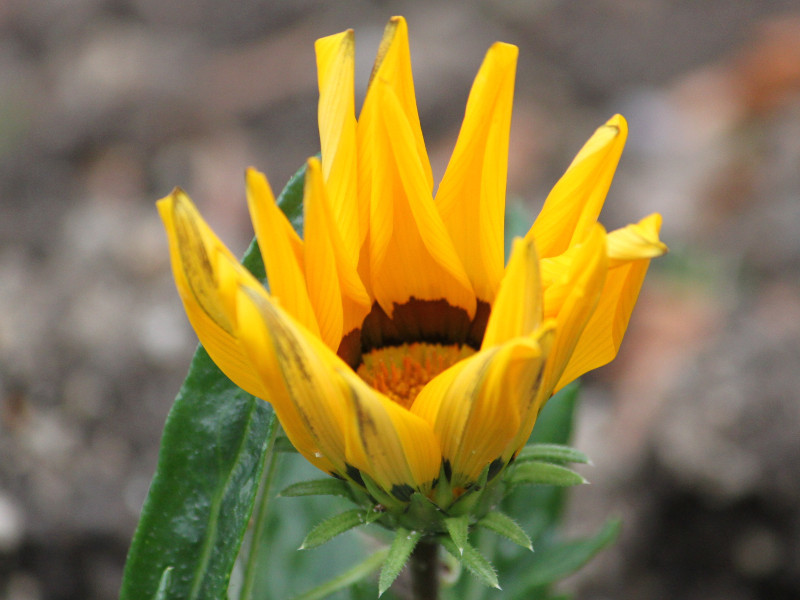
[
  {"x": 330, "y": 528},
  {"x": 541, "y": 473},
  {"x": 216, "y": 442},
  {"x": 205, "y": 485},
  {"x": 504, "y": 525},
  {"x": 401, "y": 548},
  {"x": 476, "y": 563},
  {"x": 318, "y": 487}
]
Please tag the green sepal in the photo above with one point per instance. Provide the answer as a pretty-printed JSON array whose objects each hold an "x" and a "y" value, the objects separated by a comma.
[
  {"x": 552, "y": 453},
  {"x": 504, "y": 525},
  {"x": 402, "y": 546},
  {"x": 476, "y": 563},
  {"x": 318, "y": 487},
  {"x": 164, "y": 584},
  {"x": 350, "y": 577},
  {"x": 330, "y": 528},
  {"x": 458, "y": 528},
  {"x": 381, "y": 496},
  {"x": 542, "y": 473}
]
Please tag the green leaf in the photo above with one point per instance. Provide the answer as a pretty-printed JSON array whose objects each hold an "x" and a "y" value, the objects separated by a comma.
[
  {"x": 476, "y": 563},
  {"x": 282, "y": 444},
  {"x": 209, "y": 466},
  {"x": 555, "y": 453},
  {"x": 504, "y": 525},
  {"x": 542, "y": 473},
  {"x": 402, "y": 546},
  {"x": 554, "y": 424},
  {"x": 203, "y": 491},
  {"x": 563, "y": 559},
  {"x": 318, "y": 487},
  {"x": 330, "y": 528},
  {"x": 348, "y": 578},
  {"x": 458, "y": 528},
  {"x": 163, "y": 584}
]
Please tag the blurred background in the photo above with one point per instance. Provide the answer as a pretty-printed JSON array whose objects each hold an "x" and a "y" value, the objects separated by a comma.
[{"x": 105, "y": 105}]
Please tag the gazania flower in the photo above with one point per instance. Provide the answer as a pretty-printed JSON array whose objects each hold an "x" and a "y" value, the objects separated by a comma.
[{"x": 395, "y": 346}]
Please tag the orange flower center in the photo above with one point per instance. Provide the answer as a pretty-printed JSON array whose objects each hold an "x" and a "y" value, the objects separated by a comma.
[{"x": 400, "y": 372}]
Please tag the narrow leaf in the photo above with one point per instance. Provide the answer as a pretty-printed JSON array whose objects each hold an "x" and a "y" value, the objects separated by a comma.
[
  {"x": 351, "y": 576},
  {"x": 542, "y": 473},
  {"x": 402, "y": 546},
  {"x": 566, "y": 558},
  {"x": 475, "y": 562},
  {"x": 554, "y": 453},
  {"x": 330, "y": 528},
  {"x": 318, "y": 487},
  {"x": 458, "y": 528},
  {"x": 504, "y": 525},
  {"x": 206, "y": 481}
]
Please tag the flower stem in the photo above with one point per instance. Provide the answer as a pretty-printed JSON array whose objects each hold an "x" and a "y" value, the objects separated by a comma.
[
  {"x": 425, "y": 570},
  {"x": 253, "y": 557}
]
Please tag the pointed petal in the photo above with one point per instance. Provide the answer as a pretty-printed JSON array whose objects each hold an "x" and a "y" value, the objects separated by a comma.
[
  {"x": 411, "y": 254},
  {"x": 393, "y": 68},
  {"x": 569, "y": 302},
  {"x": 337, "y": 129},
  {"x": 333, "y": 282},
  {"x": 476, "y": 407},
  {"x": 299, "y": 378},
  {"x": 471, "y": 196},
  {"x": 638, "y": 240},
  {"x": 633, "y": 246},
  {"x": 282, "y": 251},
  {"x": 321, "y": 277},
  {"x": 394, "y": 447},
  {"x": 202, "y": 266},
  {"x": 517, "y": 309},
  {"x": 573, "y": 205}
]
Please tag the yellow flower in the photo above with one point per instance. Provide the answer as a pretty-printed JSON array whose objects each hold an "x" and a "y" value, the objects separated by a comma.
[{"x": 393, "y": 344}]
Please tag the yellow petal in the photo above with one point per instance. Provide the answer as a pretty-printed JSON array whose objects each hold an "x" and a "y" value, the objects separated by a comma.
[
  {"x": 573, "y": 205},
  {"x": 471, "y": 196},
  {"x": 517, "y": 309},
  {"x": 633, "y": 246},
  {"x": 638, "y": 240},
  {"x": 337, "y": 130},
  {"x": 201, "y": 265},
  {"x": 330, "y": 276},
  {"x": 477, "y": 406},
  {"x": 411, "y": 254},
  {"x": 298, "y": 376},
  {"x": 394, "y": 447},
  {"x": 282, "y": 251},
  {"x": 393, "y": 68}
]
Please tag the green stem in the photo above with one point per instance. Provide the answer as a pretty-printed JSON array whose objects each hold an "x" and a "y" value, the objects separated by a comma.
[
  {"x": 252, "y": 564},
  {"x": 424, "y": 568}
]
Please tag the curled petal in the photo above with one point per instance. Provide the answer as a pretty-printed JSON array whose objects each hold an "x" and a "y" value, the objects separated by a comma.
[
  {"x": 573, "y": 205},
  {"x": 630, "y": 250},
  {"x": 203, "y": 269},
  {"x": 517, "y": 310},
  {"x": 394, "y": 447},
  {"x": 477, "y": 406},
  {"x": 471, "y": 196},
  {"x": 337, "y": 131},
  {"x": 298, "y": 373},
  {"x": 281, "y": 250},
  {"x": 411, "y": 254},
  {"x": 577, "y": 291}
]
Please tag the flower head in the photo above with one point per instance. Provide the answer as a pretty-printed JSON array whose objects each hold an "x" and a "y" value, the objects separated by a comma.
[{"x": 397, "y": 349}]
